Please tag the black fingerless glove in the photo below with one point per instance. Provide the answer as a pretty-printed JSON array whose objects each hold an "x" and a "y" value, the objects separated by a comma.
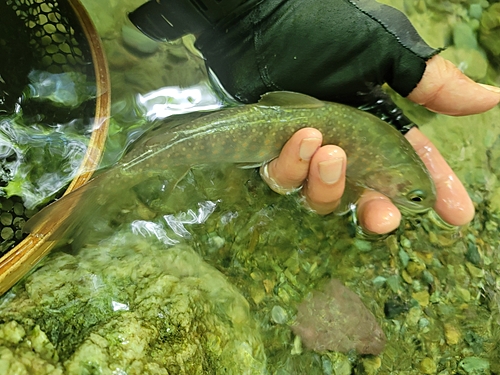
[{"x": 336, "y": 50}]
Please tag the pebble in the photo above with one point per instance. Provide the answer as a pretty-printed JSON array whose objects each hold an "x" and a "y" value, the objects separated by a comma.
[
  {"x": 463, "y": 36},
  {"x": 475, "y": 365},
  {"x": 340, "y": 364},
  {"x": 463, "y": 293},
  {"x": 414, "y": 269},
  {"x": 474, "y": 271},
  {"x": 362, "y": 245},
  {"x": 405, "y": 258},
  {"x": 406, "y": 277},
  {"x": 476, "y": 11},
  {"x": 428, "y": 366},
  {"x": 423, "y": 323},
  {"x": 422, "y": 298},
  {"x": 405, "y": 242},
  {"x": 452, "y": 334},
  {"x": 279, "y": 315},
  {"x": 371, "y": 365},
  {"x": 413, "y": 317}
]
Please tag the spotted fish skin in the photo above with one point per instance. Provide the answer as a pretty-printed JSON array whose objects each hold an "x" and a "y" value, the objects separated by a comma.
[{"x": 378, "y": 156}]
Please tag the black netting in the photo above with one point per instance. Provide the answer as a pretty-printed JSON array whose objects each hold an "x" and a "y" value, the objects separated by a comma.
[
  {"x": 41, "y": 36},
  {"x": 38, "y": 34},
  {"x": 57, "y": 40}
]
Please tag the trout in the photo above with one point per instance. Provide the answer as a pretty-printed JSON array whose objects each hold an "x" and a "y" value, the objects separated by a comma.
[{"x": 378, "y": 156}]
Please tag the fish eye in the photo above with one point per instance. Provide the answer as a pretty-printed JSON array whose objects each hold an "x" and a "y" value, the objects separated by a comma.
[{"x": 416, "y": 196}]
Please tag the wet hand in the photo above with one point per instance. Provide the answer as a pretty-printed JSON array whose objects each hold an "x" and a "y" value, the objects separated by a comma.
[
  {"x": 321, "y": 169},
  {"x": 320, "y": 173}
]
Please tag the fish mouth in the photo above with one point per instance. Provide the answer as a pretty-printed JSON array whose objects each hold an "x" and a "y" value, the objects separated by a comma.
[
  {"x": 409, "y": 204},
  {"x": 409, "y": 207}
]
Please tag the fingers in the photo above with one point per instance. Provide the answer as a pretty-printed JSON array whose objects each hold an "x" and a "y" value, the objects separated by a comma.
[
  {"x": 290, "y": 169},
  {"x": 445, "y": 89},
  {"x": 326, "y": 180},
  {"x": 453, "y": 204},
  {"x": 321, "y": 172},
  {"x": 377, "y": 214}
]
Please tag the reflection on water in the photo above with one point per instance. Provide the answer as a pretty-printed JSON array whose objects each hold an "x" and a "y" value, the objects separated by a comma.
[{"x": 209, "y": 278}]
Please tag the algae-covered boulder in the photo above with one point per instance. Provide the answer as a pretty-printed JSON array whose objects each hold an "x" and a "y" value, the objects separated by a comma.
[{"x": 128, "y": 306}]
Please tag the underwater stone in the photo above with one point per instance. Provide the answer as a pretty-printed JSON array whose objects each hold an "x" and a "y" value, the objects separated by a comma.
[
  {"x": 428, "y": 366},
  {"x": 463, "y": 36},
  {"x": 452, "y": 334},
  {"x": 394, "y": 307},
  {"x": 475, "y": 365},
  {"x": 473, "y": 254},
  {"x": 279, "y": 315},
  {"x": 334, "y": 318},
  {"x": 422, "y": 297},
  {"x": 362, "y": 245},
  {"x": 340, "y": 365},
  {"x": 474, "y": 271},
  {"x": 414, "y": 269},
  {"x": 371, "y": 365},
  {"x": 475, "y": 11}
]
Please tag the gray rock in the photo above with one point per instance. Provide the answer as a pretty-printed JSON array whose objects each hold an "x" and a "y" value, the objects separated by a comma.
[{"x": 336, "y": 319}]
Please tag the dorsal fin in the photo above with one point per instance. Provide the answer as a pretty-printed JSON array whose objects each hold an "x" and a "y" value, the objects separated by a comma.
[{"x": 289, "y": 99}]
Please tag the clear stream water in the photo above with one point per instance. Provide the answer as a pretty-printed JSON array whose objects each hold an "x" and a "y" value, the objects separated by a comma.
[{"x": 206, "y": 274}]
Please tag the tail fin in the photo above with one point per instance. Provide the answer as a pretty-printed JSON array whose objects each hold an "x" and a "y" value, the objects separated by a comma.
[{"x": 59, "y": 219}]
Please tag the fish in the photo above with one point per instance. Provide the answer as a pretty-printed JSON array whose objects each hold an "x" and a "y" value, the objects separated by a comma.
[
  {"x": 378, "y": 156},
  {"x": 335, "y": 319}
]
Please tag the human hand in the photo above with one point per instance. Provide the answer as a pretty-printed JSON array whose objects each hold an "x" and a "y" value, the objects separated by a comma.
[{"x": 320, "y": 170}]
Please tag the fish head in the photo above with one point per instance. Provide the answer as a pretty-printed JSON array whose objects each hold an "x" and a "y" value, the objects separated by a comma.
[
  {"x": 417, "y": 192},
  {"x": 411, "y": 189}
]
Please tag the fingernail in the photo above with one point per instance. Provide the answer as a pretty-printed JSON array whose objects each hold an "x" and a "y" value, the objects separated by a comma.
[
  {"x": 331, "y": 170},
  {"x": 308, "y": 147},
  {"x": 491, "y": 88}
]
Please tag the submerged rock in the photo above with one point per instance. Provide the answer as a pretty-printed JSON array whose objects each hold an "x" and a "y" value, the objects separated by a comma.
[{"x": 336, "y": 319}]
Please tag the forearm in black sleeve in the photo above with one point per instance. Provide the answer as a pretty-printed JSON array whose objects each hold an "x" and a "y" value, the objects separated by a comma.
[{"x": 334, "y": 50}]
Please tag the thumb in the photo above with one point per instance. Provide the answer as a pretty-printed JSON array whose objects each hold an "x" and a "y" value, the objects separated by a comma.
[{"x": 445, "y": 89}]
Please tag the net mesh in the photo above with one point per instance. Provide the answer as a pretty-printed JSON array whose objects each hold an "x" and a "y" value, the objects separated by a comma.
[
  {"x": 57, "y": 45},
  {"x": 43, "y": 35}
]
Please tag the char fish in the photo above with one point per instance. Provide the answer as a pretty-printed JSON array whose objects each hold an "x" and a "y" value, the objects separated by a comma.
[{"x": 378, "y": 156}]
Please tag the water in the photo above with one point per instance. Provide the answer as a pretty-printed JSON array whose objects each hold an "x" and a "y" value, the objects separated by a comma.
[{"x": 210, "y": 276}]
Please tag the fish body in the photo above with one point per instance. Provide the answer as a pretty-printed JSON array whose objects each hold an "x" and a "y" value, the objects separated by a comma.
[{"x": 378, "y": 156}]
